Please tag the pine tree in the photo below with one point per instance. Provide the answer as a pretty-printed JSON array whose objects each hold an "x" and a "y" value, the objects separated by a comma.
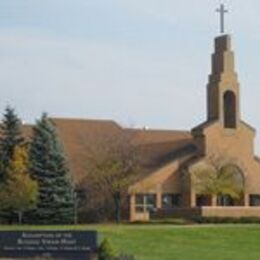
[
  {"x": 10, "y": 137},
  {"x": 49, "y": 167}
]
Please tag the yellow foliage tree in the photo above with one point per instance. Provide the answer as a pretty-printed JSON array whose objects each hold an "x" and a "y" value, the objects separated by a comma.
[
  {"x": 218, "y": 177},
  {"x": 20, "y": 192}
]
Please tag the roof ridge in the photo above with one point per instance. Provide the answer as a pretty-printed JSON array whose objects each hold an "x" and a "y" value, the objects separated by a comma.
[
  {"x": 80, "y": 119},
  {"x": 84, "y": 120},
  {"x": 157, "y": 130}
]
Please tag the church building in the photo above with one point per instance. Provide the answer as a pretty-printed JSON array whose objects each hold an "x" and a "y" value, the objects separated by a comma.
[
  {"x": 170, "y": 158},
  {"x": 224, "y": 136}
]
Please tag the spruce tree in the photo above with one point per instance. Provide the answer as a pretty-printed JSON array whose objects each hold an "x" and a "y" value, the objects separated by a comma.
[
  {"x": 10, "y": 137},
  {"x": 49, "y": 167}
]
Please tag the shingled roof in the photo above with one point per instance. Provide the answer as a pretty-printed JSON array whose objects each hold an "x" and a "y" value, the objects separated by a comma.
[{"x": 156, "y": 146}]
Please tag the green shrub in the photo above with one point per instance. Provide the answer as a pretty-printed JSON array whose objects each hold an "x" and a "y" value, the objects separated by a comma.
[
  {"x": 225, "y": 220},
  {"x": 167, "y": 221},
  {"x": 106, "y": 252}
]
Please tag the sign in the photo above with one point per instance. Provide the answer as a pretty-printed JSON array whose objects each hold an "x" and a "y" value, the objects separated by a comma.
[{"x": 51, "y": 244}]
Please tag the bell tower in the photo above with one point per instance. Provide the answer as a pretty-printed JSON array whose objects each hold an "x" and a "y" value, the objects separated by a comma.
[{"x": 223, "y": 98}]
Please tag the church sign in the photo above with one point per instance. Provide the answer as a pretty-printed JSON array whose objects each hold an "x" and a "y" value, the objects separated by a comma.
[{"x": 49, "y": 244}]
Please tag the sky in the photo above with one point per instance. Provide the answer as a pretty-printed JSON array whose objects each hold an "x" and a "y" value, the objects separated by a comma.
[{"x": 138, "y": 62}]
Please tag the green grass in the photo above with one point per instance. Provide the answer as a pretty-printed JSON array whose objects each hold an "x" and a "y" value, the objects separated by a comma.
[{"x": 169, "y": 242}]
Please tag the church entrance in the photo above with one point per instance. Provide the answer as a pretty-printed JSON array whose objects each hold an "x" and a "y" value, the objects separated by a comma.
[{"x": 223, "y": 187}]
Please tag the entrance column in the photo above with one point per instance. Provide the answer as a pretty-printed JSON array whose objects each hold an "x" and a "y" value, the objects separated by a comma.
[
  {"x": 132, "y": 207},
  {"x": 246, "y": 200},
  {"x": 214, "y": 201},
  {"x": 159, "y": 196},
  {"x": 193, "y": 199}
]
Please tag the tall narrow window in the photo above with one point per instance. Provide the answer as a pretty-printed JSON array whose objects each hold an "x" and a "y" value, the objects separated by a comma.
[{"x": 229, "y": 109}]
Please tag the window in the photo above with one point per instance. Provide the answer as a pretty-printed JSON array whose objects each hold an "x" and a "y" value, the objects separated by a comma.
[
  {"x": 171, "y": 200},
  {"x": 145, "y": 202},
  {"x": 225, "y": 200},
  {"x": 229, "y": 109},
  {"x": 254, "y": 200},
  {"x": 203, "y": 200}
]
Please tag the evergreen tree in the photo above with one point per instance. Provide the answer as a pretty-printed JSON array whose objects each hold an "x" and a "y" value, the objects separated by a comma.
[
  {"x": 10, "y": 137},
  {"x": 48, "y": 166}
]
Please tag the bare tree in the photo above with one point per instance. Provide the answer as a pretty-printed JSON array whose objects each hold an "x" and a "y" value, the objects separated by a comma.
[{"x": 112, "y": 164}]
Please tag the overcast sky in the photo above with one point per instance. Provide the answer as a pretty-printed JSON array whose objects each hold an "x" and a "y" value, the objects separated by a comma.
[{"x": 139, "y": 62}]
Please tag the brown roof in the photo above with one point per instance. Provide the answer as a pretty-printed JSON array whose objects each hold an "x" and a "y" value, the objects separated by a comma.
[
  {"x": 152, "y": 136},
  {"x": 27, "y": 130},
  {"x": 156, "y": 146}
]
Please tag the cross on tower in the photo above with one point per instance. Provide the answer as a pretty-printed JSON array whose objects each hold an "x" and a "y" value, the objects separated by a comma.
[{"x": 222, "y": 12}]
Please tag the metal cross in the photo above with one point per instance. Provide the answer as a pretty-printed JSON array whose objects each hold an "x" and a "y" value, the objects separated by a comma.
[{"x": 222, "y": 12}]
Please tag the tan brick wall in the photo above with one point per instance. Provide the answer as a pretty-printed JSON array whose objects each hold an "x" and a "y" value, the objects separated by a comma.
[{"x": 234, "y": 212}]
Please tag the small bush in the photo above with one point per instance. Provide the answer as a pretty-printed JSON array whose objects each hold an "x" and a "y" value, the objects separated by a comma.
[
  {"x": 226, "y": 220},
  {"x": 167, "y": 221},
  {"x": 106, "y": 252}
]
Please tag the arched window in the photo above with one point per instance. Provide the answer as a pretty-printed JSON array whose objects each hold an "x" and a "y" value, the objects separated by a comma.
[{"x": 229, "y": 109}]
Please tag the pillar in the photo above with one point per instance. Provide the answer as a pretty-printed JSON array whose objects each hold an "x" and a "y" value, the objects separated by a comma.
[
  {"x": 159, "y": 196},
  {"x": 132, "y": 207},
  {"x": 246, "y": 200},
  {"x": 193, "y": 199},
  {"x": 214, "y": 202}
]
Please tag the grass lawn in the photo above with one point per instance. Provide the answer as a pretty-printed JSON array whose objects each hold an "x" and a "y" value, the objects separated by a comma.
[{"x": 169, "y": 242}]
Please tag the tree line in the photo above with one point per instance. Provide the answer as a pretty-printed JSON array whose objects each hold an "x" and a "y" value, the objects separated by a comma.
[{"x": 36, "y": 186}]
